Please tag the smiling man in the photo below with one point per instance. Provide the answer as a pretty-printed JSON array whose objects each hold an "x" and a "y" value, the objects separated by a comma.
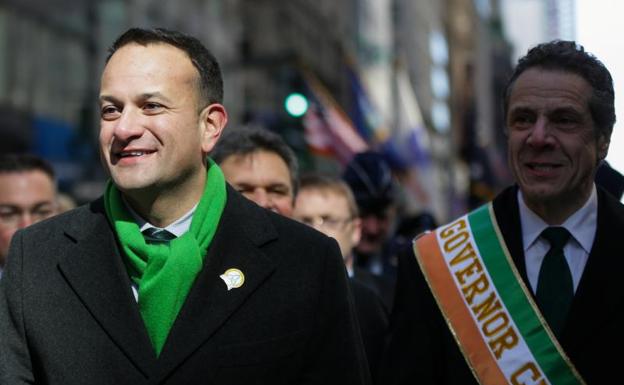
[
  {"x": 172, "y": 277},
  {"x": 529, "y": 285},
  {"x": 261, "y": 166}
]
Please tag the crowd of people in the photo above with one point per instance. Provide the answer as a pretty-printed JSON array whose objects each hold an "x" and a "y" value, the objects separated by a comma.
[{"x": 210, "y": 259}]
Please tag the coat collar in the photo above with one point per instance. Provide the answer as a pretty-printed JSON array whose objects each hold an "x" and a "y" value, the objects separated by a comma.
[
  {"x": 508, "y": 218},
  {"x": 242, "y": 230},
  {"x": 93, "y": 267},
  {"x": 95, "y": 270},
  {"x": 598, "y": 294}
]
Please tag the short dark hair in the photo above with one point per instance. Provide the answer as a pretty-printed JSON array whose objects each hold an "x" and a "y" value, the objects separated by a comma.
[
  {"x": 14, "y": 163},
  {"x": 247, "y": 140},
  {"x": 568, "y": 56},
  {"x": 210, "y": 79}
]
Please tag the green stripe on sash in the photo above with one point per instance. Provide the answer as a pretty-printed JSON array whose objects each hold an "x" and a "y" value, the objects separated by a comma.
[{"x": 524, "y": 313}]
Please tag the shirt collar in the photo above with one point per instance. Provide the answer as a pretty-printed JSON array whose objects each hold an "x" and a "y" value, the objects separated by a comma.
[
  {"x": 177, "y": 228},
  {"x": 581, "y": 224}
]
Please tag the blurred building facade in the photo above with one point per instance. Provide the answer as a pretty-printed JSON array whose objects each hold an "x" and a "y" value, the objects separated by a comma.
[
  {"x": 433, "y": 69},
  {"x": 549, "y": 20}
]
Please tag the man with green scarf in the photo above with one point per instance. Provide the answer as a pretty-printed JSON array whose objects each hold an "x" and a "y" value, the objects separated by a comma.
[{"x": 172, "y": 277}]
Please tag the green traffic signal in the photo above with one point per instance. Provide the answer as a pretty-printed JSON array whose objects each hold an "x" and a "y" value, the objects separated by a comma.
[{"x": 296, "y": 104}]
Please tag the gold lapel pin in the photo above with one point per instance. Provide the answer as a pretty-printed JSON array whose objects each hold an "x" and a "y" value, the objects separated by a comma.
[{"x": 233, "y": 278}]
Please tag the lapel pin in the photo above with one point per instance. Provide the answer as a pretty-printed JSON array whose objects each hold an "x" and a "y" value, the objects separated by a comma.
[{"x": 233, "y": 278}]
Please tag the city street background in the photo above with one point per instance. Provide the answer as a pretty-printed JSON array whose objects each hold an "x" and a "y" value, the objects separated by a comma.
[{"x": 418, "y": 80}]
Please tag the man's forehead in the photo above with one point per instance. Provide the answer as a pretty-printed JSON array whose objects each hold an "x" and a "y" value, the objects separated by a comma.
[
  {"x": 546, "y": 79},
  {"x": 150, "y": 59},
  {"x": 25, "y": 181},
  {"x": 26, "y": 175},
  {"x": 23, "y": 184},
  {"x": 257, "y": 158},
  {"x": 549, "y": 89},
  {"x": 159, "y": 71},
  {"x": 134, "y": 48},
  {"x": 324, "y": 192},
  {"x": 328, "y": 195}
]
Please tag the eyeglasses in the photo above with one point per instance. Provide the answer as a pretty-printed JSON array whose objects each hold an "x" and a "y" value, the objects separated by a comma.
[
  {"x": 326, "y": 222},
  {"x": 13, "y": 215}
]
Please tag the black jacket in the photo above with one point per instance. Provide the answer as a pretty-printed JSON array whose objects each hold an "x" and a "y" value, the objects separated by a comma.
[
  {"x": 68, "y": 316},
  {"x": 422, "y": 350}
]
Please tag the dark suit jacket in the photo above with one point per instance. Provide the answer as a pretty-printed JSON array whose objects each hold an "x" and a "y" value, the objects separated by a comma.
[
  {"x": 68, "y": 316},
  {"x": 379, "y": 284},
  {"x": 373, "y": 319},
  {"x": 423, "y": 351}
]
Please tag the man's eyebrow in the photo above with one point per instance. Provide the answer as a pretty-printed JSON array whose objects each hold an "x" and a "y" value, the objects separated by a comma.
[
  {"x": 33, "y": 206},
  {"x": 143, "y": 96},
  {"x": 108, "y": 98},
  {"x": 278, "y": 184},
  {"x": 156, "y": 94},
  {"x": 565, "y": 110},
  {"x": 521, "y": 109}
]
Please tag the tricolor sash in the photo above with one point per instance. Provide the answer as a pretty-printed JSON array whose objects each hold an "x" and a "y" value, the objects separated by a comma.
[{"x": 487, "y": 306}]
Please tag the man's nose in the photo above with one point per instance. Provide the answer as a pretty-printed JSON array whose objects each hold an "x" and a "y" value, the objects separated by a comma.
[
  {"x": 128, "y": 125},
  {"x": 370, "y": 224},
  {"x": 25, "y": 220},
  {"x": 261, "y": 197},
  {"x": 540, "y": 132}
]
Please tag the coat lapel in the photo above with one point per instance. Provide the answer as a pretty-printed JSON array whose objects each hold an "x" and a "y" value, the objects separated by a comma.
[
  {"x": 241, "y": 230},
  {"x": 95, "y": 271},
  {"x": 599, "y": 293},
  {"x": 508, "y": 218}
]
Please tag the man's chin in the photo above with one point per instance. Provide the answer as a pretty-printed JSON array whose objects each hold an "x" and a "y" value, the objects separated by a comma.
[
  {"x": 541, "y": 192},
  {"x": 128, "y": 183}
]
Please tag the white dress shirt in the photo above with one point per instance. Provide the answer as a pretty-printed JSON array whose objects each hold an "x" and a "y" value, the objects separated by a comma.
[{"x": 582, "y": 227}]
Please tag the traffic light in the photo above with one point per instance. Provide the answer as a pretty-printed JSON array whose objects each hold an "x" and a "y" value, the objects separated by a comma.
[{"x": 296, "y": 104}]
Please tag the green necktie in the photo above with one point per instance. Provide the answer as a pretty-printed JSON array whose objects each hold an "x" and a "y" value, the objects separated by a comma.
[{"x": 555, "y": 289}]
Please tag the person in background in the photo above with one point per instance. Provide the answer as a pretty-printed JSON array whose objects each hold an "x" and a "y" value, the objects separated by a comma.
[
  {"x": 526, "y": 289},
  {"x": 370, "y": 178},
  {"x": 261, "y": 166},
  {"x": 27, "y": 196},
  {"x": 173, "y": 277},
  {"x": 327, "y": 204}
]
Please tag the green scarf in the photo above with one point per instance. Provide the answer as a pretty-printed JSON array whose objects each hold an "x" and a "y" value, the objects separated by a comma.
[{"x": 165, "y": 273}]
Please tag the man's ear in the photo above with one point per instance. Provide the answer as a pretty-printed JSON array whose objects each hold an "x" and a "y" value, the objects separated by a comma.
[
  {"x": 603, "y": 147},
  {"x": 212, "y": 120}
]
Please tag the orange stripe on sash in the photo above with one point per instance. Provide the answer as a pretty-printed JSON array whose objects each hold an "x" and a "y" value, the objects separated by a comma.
[{"x": 455, "y": 310}]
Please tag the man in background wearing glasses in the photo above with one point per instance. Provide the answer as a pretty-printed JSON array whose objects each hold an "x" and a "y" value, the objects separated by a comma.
[{"x": 328, "y": 205}]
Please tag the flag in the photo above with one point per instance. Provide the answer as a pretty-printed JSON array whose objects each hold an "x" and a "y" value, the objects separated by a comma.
[
  {"x": 316, "y": 133},
  {"x": 327, "y": 128},
  {"x": 408, "y": 147},
  {"x": 368, "y": 120},
  {"x": 410, "y": 135}
]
